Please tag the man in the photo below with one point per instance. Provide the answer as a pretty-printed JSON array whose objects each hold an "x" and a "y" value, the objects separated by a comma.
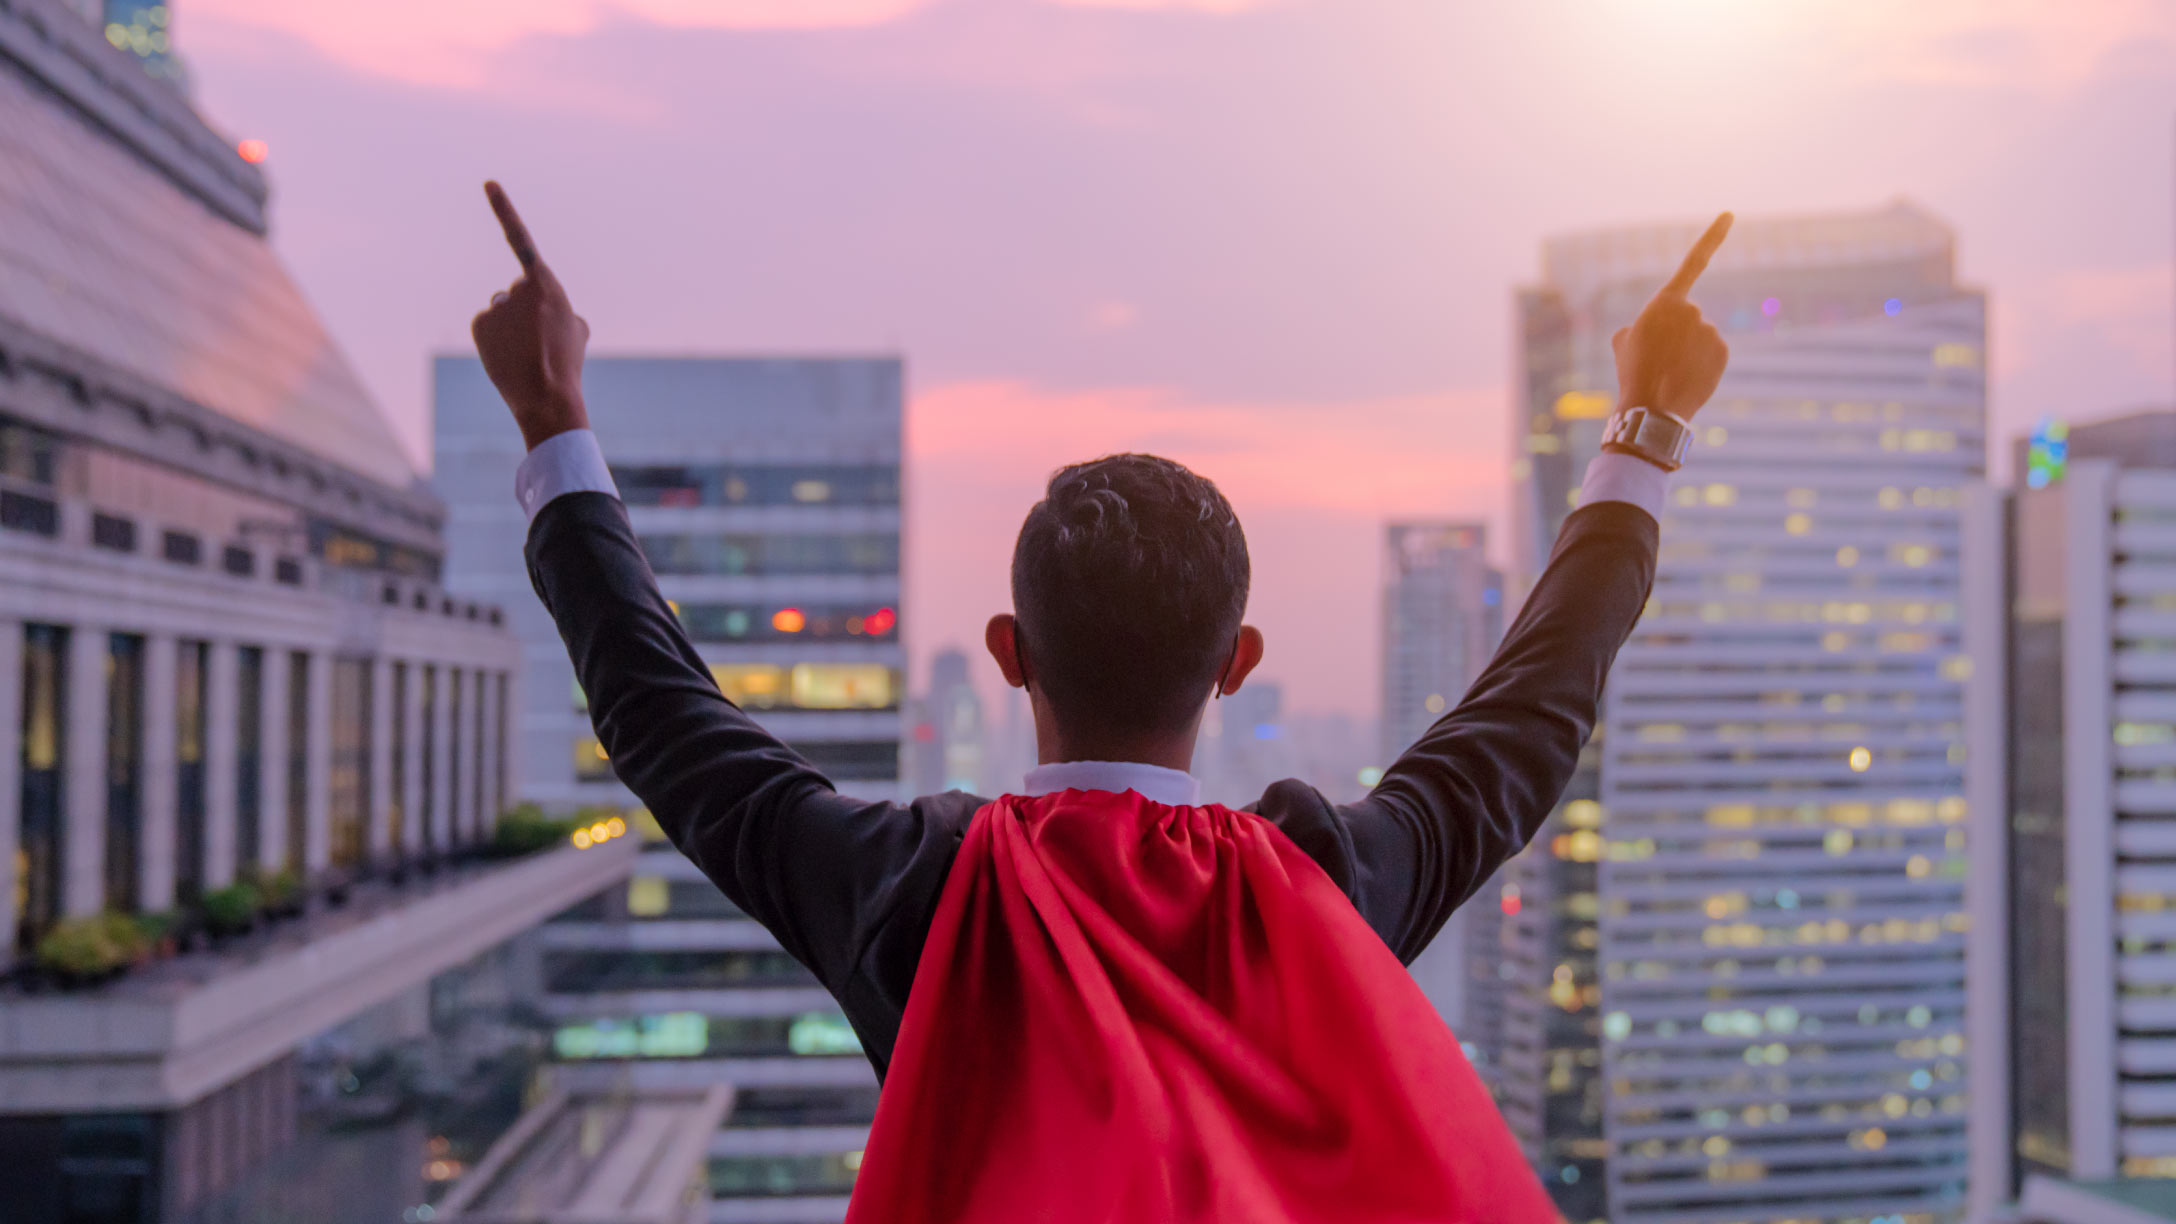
[{"x": 1097, "y": 1000}]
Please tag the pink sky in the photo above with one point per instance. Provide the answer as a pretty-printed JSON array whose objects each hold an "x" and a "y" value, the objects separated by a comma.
[{"x": 1276, "y": 239}]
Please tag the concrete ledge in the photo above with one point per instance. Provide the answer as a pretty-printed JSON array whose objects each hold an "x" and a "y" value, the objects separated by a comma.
[{"x": 163, "y": 1044}]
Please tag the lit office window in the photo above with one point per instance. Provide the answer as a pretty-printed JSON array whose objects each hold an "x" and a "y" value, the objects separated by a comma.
[
  {"x": 124, "y": 768},
  {"x": 753, "y": 686},
  {"x": 843, "y": 686},
  {"x": 808, "y": 686}
]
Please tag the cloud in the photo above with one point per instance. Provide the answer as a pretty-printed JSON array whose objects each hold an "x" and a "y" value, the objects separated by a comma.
[
  {"x": 452, "y": 42},
  {"x": 1166, "y": 6},
  {"x": 455, "y": 42}
]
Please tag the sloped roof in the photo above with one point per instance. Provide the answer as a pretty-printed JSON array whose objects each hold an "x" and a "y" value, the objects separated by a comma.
[{"x": 102, "y": 253}]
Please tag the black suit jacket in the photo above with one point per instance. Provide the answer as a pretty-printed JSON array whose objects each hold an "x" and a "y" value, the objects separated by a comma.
[{"x": 849, "y": 887}]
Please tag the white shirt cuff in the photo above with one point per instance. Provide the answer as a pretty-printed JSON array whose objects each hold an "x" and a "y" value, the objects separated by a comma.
[
  {"x": 564, "y": 463},
  {"x": 1625, "y": 478}
]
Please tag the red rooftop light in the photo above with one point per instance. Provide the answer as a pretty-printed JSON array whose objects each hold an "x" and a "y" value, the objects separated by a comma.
[{"x": 253, "y": 151}]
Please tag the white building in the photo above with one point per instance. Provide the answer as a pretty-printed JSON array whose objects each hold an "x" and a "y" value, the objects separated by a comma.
[
  {"x": 2082, "y": 891},
  {"x": 1777, "y": 915},
  {"x": 225, "y": 654},
  {"x": 766, "y": 495}
]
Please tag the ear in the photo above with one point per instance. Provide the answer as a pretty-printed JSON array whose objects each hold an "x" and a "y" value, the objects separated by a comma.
[
  {"x": 1001, "y": 638},
  {"x": 1246, "y": 655}
]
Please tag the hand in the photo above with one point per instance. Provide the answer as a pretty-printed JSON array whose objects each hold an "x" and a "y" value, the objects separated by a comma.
[
  {"x": 1670, "y": 359},
  {"x": 530, "y": 339}
]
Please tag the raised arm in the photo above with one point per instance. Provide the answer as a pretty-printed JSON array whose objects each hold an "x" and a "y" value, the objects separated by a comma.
[
  {"x": 1480, "y": 782},
  {"x": 821, "y": 871}
]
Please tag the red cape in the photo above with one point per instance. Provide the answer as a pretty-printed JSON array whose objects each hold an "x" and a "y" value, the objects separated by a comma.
[{"x": 1129, "y": 1013}]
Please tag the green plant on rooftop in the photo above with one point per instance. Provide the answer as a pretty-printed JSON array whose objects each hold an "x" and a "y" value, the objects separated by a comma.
[
  {"x": 231, "y": 910},
  {"x": 88, "y": 950},
  {"x": 526, "y": 829}
]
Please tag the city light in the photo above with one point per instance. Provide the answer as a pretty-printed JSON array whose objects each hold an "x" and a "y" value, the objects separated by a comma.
[
  {"x": 253, "y": 151},
  {"x": 789, "y": 620}
]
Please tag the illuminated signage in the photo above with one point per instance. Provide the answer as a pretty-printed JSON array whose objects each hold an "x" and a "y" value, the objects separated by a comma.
[{"x": 2047, "y": 453}]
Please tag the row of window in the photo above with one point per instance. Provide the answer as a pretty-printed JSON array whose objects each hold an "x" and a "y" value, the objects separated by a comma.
[
  {"x": 42, "y": 818},
  {"x": 838, "y": 760},
  {"x": 735, "y": 553},
  {"x": 694, "y": 1035},
  {"x": 732, "y": 622},
  {"x": 117, "y": 533},
  {"x": 718, "y": 484},
  {"x": 798, "y": 686},
  {"x": 616, "y": 970}
]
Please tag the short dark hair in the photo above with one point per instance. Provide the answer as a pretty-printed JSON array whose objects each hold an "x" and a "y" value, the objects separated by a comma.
[{"x": 1128, "y": 584}]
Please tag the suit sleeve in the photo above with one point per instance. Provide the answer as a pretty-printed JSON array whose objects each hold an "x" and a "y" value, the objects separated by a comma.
[
  {"x": 1480, "y": 782},
  {"x": 823, "y": 872}
]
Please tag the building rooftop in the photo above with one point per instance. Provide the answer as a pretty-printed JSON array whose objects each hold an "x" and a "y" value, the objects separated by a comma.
[
  {"x": 626, "y": 1156},
  {"x": 1895, "y": 233},
  {"x": 172, "y": 1031},
  {"x": 132, "y": 235}
]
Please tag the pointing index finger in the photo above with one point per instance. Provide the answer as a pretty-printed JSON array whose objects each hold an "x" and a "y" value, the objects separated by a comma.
[
  {"x": 517, "y": 234},
  {"x": 1696, "y": 260}
]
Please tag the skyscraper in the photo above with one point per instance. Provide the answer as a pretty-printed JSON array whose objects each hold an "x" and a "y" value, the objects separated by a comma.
[
  {"x": 948, "y": 737},
  {"x": 233, "y": 689},
  {"x": 765, "y": 493},
  {"x": 144, "y": 30},
  {"x": 2081, "y": 888},
  {"x": 1442, "y": 617},
  {"x": 1758, "y": 909}
]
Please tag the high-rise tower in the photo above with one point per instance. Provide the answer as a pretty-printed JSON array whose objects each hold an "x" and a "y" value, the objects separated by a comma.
[{"x": 1755, "y": 902}]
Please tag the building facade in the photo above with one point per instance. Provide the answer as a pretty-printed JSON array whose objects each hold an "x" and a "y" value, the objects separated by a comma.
[
  {"x": 949, "y": 737},
  {"x": 2082, "y": 887},
  {"x": 1442, "y": 617},
  {"x": 766, "y": 494},
  {"x": 1756, "y": 907},
  {"x": 227, "y": 658}
]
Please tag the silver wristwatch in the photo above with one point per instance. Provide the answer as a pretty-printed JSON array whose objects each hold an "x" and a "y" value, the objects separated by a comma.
[{"x": 1650, "y": 434}]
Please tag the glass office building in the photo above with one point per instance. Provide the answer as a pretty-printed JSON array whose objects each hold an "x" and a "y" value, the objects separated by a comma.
[
  {"x": 1752, "y": 979},
  {"x": 766, "y": 495}
]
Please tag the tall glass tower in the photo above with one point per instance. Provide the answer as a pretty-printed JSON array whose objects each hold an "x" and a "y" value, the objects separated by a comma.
[{"x": 1757, "y": 910}]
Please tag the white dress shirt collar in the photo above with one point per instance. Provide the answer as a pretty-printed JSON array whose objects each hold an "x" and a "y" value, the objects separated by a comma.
[{"x": 1171, "y": 787}]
